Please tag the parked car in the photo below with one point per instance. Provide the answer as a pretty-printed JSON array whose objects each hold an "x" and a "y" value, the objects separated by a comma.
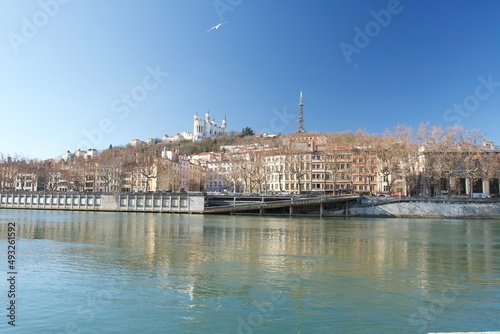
[{"x": 382, "y": 197}]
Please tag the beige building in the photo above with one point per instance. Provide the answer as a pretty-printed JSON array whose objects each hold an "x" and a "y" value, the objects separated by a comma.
[{"x": 459, "y": 170}]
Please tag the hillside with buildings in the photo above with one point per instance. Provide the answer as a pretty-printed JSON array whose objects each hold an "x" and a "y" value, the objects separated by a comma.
[{"x": 430, "y": 161}]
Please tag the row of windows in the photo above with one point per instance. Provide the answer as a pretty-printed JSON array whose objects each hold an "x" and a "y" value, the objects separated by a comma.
[
  {"x": 361, "y": 178},
  {"x": 214, "y": 184},
  {"x": 331, "y": 157},
  {"x": 307, "y": 186},
  {"x": 318, "y": 157},
  {"x": 364, "y": 188},
  {"x": 287, "y": 177},
  {"x": 289, "y": 158},
  {"x": 319, "y": 176},
  {"x": 289, "y": 186},
  {"x": 299, "y": 166},
  {"x": 363, "y": 170},
  {"x": 26, "y": 184}
]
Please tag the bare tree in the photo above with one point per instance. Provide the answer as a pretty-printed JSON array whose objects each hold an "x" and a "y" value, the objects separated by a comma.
[
  {"x": 398, "y": 163},
  {"x": 365, "y": 159},
  {"x": 145, "y": 164},
  {"x": 110, "y": 174},
  {"x": 298, "y": 165},
  {"x": 473, "y": 160},
  {"x": 236, "y": 169},
  {"x": 256, "y": 171},
  {"x": 408, "y": 151}
]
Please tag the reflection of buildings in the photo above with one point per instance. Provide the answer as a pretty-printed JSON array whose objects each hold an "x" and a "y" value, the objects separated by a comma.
[{"x": 272, "y": 249}]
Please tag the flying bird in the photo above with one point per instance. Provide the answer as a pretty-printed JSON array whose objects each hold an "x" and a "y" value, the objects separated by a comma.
[{"x": 216, "y": 26}]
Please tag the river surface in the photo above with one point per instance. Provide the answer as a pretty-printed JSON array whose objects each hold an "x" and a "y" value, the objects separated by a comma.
[{"x": 90, "y": 272}]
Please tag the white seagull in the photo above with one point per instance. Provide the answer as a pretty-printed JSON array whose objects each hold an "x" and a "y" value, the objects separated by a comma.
[{"x": 216, "y": 26}]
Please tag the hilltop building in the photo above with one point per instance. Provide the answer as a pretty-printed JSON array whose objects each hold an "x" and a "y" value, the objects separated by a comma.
[{"x": 204, "y": 128}]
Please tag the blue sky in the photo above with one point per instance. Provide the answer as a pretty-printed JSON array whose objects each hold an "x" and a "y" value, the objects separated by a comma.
[{"x": 92, "y": 73}]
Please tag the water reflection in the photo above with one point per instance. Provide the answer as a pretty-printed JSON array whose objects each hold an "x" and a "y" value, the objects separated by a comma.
[
  {"x": 373, "y": 248},
  {"x": 193, "y": 267}
]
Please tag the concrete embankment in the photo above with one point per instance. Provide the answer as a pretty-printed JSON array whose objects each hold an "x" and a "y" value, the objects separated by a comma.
[
  {"x": 430, "y": 209},
  {"x": 195, "y": 203},
  {"x": 168, "y": 203}
]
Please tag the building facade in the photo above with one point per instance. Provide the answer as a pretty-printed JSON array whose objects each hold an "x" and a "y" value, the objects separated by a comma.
[
  {"x": 205, "y": 128},
  {"x": 459, "y": 170}
]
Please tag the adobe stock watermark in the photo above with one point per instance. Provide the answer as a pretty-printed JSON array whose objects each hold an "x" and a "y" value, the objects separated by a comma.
[
  {"x": 363, "y": 37},
  {"x": 278, "y": 121},
  {"x": 471, "y": 103},
  {"x": 94, "y": 302},
  {"x": 223, "y": 6},
  {"x": 265, "y": 309},
  {"x": 426, "y": 315},
  {"x": 122, "y": 107},
  {"x": 32, "y": 26}
]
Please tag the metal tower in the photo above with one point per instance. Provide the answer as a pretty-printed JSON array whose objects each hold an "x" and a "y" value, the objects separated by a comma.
[{"x": 301, "y": 115}]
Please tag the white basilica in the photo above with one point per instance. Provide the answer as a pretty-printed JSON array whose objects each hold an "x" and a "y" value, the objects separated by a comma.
[{"x": 204, "y": 128}]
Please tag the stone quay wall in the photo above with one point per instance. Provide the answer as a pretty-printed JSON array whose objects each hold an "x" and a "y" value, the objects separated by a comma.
[{"x": 168, "y": 203}]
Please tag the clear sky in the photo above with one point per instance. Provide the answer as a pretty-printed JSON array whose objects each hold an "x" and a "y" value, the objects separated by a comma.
[{"x": 77, "y": 73}]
